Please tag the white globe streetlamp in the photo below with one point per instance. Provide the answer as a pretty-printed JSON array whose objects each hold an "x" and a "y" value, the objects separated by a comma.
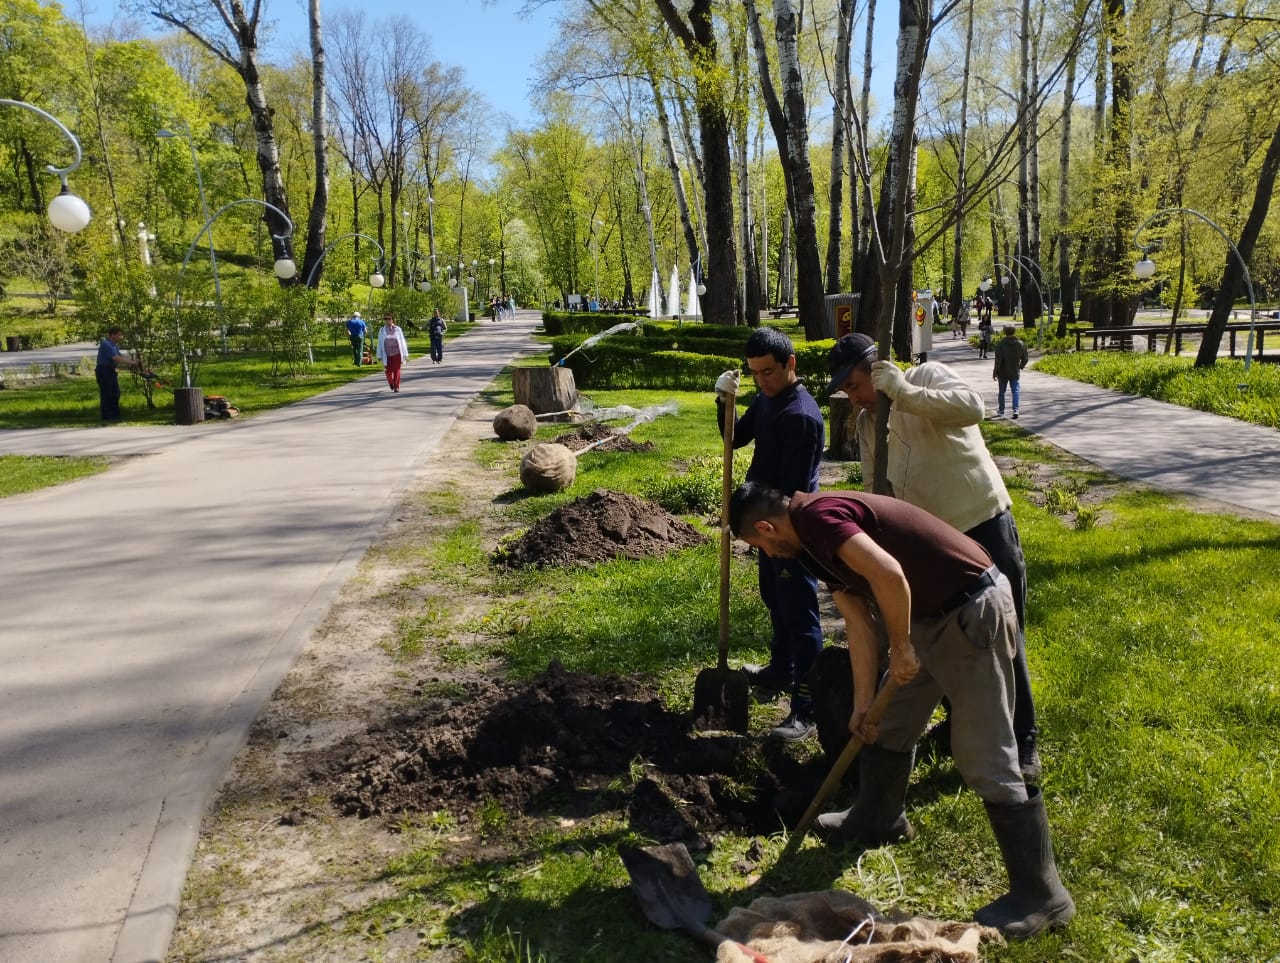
[{"x": 67, "y": 212}]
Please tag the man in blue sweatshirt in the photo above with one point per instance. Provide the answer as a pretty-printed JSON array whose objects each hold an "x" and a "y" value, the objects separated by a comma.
[{"x": 786, "y": 425}]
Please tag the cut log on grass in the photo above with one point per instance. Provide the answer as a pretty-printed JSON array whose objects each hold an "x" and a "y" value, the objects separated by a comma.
[{"x": 544, "y": 390}]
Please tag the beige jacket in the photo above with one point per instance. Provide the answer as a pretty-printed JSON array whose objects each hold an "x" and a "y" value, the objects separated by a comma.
[{"x": 938, "y": 460}]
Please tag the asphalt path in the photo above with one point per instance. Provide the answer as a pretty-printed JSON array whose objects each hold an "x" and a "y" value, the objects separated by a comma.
[
  {"x": 151, "y": 610},
  {"x": 1166, "y": 446}
]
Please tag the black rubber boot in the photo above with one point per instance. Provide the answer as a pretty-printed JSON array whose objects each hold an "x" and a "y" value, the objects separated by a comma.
[
  {"x": 1036, "y": 900},
  {"x": 879, "y": 816}
]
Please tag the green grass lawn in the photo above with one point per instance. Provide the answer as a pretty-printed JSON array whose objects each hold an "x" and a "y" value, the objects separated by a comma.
[
  {"x": 27, "y": 473},
  {"x": 1153, "y": 633}
]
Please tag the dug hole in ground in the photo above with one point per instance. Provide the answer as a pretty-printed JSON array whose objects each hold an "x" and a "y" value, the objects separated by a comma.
[{"x": 359, "y": 746}]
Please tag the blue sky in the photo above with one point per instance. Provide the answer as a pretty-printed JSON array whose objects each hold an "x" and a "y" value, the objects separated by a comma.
[{"x": 495, "y": 43}]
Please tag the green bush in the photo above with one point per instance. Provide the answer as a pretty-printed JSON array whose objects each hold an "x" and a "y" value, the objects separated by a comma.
[{"x": 696, "y": 491}]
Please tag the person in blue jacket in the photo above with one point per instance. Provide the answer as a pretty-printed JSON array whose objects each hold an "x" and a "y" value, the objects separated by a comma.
[
  {"x": 110, "y": 358},
  {"x": 356, "y": 329},
  {"x": 786, "y": 426}
]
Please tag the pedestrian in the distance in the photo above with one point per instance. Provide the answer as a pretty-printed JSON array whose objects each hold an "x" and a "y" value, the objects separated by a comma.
[
  {"x": 393, "y": 350},
  {"x": 984, "y": 337},
  {"x": 436, "y": 328},
  {"x": 110, "y": 358},
  {"x": 901, "y": 577},
  {"x": 1011, "y": 358},
  {"x": 356, "y": 329}
]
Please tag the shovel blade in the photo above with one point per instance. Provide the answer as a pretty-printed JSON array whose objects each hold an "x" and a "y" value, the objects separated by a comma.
[
  {"x": 721, "y": 700},
  {"x": 666, "y": 882}
]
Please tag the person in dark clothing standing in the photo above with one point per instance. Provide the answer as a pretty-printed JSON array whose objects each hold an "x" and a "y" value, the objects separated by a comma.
[
  {"x": 110, "y": 358},
  {"x": 356, "y": 329},
  {"x": 786, "y": 425},
  {"x": 436, "y": 328}
]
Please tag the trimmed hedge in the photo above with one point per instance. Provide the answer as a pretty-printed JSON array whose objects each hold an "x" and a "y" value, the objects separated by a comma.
[{"x": 628, "y": 361}]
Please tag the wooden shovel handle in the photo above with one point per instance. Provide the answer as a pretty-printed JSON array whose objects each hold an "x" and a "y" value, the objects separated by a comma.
[
  {"x": 841, "y": 765},
  {"x": 726, "y": 538}
]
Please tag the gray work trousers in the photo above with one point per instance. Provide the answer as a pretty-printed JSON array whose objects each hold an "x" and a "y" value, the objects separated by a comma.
[{"x": 966, "y": 655}]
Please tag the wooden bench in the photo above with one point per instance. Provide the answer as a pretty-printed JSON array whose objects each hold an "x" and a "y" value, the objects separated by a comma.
[
  {"x": 1121, "y": 339},
  {"x": 782, "y": 311}
]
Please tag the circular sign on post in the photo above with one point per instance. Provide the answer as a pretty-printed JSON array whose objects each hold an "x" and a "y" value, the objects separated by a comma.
[{"x": 920, "y": 314}]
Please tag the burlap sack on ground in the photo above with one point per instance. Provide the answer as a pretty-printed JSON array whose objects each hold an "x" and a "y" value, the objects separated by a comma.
[
  {"x": 515, "y": 423},
  {"x": 837, "y": 927},
  {"x": 548, "y": 467}
]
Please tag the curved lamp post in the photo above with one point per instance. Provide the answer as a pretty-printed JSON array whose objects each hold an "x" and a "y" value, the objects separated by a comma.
[
  {"x": 1145, "y": 269},
  {"x": 67, "y": 212},
  {"x": 376, "y": 280},
  {"x": 185, "y": 132},
  {"x": 284, "y": 268}
]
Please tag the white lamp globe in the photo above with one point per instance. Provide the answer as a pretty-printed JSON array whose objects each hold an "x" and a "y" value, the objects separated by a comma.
[
  {"x": 285, "y": 268},
  {"x": 68, "y": 213},
  {"x": 376, "y": 280},
  {"x": 984, "y": 284},
  {"x": 701, "y": 289},
  {"x": 424, "y": 286},
  {"x": 1145, "y": 268}
]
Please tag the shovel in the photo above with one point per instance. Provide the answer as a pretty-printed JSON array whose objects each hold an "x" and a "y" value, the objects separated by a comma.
[
  {"x": 672, "y": 896},
  {"x": 720, "y": 695},
  {"x": 838, "y": 769}
]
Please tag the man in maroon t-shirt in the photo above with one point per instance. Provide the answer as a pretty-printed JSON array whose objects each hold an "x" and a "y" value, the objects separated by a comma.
[{"x": 898, "y": 573}]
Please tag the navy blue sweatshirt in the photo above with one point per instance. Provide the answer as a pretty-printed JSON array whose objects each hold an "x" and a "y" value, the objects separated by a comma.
[{"x": 789, "y": 434}]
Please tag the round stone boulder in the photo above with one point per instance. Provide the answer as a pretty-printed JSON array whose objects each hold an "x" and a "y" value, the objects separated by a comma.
[
  {"x": 548, "y": 467},
  {"x": 516, "y": 423}
]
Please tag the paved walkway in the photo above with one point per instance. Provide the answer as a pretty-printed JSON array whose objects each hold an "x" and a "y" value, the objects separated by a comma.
[
  {"x": 1164, "y": 445},
  {"x": 150, "y": 611}
]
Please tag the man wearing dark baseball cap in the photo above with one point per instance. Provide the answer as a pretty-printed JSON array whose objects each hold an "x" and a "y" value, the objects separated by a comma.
[{"x": 934, "y": 417}]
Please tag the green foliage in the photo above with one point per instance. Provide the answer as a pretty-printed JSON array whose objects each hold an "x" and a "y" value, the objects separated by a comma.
[
  {"x": 697, "y": 489},
  {"x": 1223, "y": 389},
  {"x": 280, "y": 319}
]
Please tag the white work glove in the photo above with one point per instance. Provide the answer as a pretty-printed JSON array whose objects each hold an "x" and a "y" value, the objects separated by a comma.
[
  {"x": 727, "y": 384},
  {"x": 887, "y": 377}
]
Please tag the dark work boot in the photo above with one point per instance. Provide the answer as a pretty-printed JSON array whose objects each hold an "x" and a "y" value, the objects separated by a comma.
[
  {"x": 772, "y": 678},
  {"x": 1036, "y": 900},
  {"x": 879, "y": 816}
]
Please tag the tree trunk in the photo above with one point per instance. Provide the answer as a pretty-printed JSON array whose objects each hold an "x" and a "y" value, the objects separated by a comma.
[
  {"x": 1233, "y": 275},
  {"x": 1067, "y": 308},
  {"x": 835, "y": 192},
  {"x": 318, "y": 219},
  {"x": 962, "y": 160}
]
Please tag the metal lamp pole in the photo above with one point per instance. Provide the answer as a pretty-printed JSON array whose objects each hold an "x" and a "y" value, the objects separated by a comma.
[
  {"x": 284, "y": 268},
  {"x": 204, "y": 212},
  {"x": 1146, "y": 267}
]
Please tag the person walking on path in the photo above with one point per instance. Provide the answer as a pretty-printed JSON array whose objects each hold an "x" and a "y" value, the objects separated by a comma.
[
  {"x": 107, "y": 373},
  {"x": 786, "y": 425},
  {"x": 1011, "y": 358},
  {"x": 900, "y": 575},
  {"x": 356, "y": 329},
  {"x": 393, "y": 350},
  {"x": 984, "y": 337},
  {"x": 938, "y": 461},
  {"x": 436, "y": 328}
]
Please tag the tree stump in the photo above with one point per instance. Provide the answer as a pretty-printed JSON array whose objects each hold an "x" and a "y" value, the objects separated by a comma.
[
  {"x": 844, "y": 429},
  {"x": 544, "y": 390},
  {"x": 188, "y": 406}
]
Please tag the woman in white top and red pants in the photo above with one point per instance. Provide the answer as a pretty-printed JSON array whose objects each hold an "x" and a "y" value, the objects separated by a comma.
[{"x": 392, "y": 350}]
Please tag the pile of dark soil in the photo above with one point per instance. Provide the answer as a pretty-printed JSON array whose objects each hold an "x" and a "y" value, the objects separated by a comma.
[
  {"x": 598, "y": 528},
  {"x": 592, "y": 432},
  {"x": 567, "y": 744}
]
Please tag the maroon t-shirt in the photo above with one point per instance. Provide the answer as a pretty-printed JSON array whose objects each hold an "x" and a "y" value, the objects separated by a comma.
[{"x": 938, "y": 560}]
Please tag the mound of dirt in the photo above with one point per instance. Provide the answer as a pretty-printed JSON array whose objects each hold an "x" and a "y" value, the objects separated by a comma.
[
  {"x": 567, "y": 744},
  {"x": 602, "y": 526},
  {"x": 589, "y": 434}
]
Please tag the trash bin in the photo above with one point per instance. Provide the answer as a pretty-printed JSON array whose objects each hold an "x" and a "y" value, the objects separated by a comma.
[
  {"x": 188, "y": 406},
  {"x": 12, "y": 343},
  {"x": 840, "y": 314}
]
